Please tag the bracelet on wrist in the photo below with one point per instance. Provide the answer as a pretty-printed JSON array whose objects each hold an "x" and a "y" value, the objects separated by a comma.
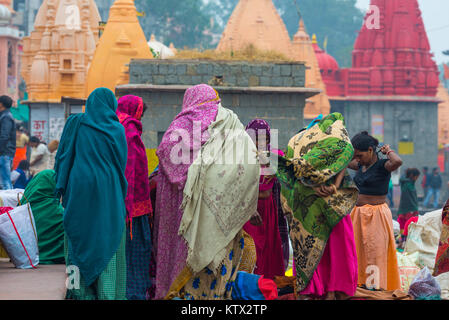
[{"x": 388, "y": 153}]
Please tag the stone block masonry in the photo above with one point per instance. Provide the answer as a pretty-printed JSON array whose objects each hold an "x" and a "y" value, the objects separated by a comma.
[
  {"x": 271, "y": 91},
  {"x": 228, "y": 73}
]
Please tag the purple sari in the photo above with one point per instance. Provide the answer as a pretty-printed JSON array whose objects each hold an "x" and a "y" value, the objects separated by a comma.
[{"x": 200, "y": 106}]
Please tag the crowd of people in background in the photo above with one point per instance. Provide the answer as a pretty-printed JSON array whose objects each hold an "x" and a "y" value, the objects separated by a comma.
[
  {"x": 21, "y": 157},
  {"x": 175, "y": 233}
]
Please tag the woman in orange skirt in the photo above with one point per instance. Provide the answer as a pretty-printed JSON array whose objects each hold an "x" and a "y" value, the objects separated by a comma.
[{"x": 372, "y": 218}]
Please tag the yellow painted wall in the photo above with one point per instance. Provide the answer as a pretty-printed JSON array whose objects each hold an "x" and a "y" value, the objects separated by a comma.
[{"x": 153, "y": 160}]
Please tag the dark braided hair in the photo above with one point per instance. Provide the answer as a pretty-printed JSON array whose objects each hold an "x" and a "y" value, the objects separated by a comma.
[{"x": 363, "y": 141}]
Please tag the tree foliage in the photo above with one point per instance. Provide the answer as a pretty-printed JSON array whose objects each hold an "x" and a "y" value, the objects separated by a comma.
[
  {"x": 337, "y": 20},
  {"x": 193, "y": 23},
  {"x": 182, "y": 23}
]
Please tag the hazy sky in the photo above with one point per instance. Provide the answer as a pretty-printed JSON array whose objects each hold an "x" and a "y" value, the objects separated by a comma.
[{"x": 435, "y": 14}]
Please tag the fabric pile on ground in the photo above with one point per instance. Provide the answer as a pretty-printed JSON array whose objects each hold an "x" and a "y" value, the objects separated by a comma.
[
  {"x": 425, "y": 287},
  {"x": 423, "y": 237}
]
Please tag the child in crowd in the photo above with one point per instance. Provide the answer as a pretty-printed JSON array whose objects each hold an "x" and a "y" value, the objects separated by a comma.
[{"x": 20, "y": 177}]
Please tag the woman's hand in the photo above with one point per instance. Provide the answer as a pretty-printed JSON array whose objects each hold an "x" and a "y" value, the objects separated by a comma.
[
  {"x": 385, "y": 149},
  {"x": 324, "y": 191},
  {"x": 256, "y": 220},
  {"x": 394, "y": 161}
]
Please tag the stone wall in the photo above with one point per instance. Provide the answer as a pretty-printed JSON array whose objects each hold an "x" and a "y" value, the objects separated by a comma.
[
  {"x": 282, "y": 109},
  {"x": 417, "y": 119},
  {"x": 271, "y": 91},
  {"x": 223, "y": 73}
]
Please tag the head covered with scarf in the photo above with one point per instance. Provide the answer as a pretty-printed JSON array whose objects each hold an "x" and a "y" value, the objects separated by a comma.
[
  {"x": 90, "y": 177},
  {"x": 129, "y": 111},
  {"x": 259, "y": 131},
  {"x": 130, "y": 107},
  {"x": 200, "y": 108},
  {"x": 315, "y": 157}
]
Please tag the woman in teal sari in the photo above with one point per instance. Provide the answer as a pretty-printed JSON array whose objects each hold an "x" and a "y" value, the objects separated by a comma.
[
  {"x": 48, "y": 213},
  {"x": 90, "y": 175}
]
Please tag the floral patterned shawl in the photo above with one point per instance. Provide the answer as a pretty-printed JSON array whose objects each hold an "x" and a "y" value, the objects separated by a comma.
[
  {"x": 137, "y": 200},
  {"x": 200, "y": 105},
  {"x": 219, "y": 197},
  {"x": 314, "y": 157},
  {"x": 442, "y": 259}
]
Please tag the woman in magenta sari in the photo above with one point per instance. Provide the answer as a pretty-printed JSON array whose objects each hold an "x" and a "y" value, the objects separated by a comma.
[
  {"x": 138, "y": 204},
  {"x": 200, "y": 107},
  {"x": 266, "y": 235}
]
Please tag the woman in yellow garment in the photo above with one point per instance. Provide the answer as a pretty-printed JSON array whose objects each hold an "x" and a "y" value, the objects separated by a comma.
[{"x": 372, "y": 218}]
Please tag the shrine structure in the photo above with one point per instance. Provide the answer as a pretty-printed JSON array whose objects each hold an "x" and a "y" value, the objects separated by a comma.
[
  {"x": 9, "y": 52},
  {"x": 257, "y": 22},
  {"x": 122, "y": 40},
  {"x": 56, "y": 58},
  {"x": 391, "y": 88}
]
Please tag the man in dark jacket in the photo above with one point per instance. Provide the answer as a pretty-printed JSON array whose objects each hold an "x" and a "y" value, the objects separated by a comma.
[
  {"x": 435, "y": 183},
  {"x": 7, "y": 142}
]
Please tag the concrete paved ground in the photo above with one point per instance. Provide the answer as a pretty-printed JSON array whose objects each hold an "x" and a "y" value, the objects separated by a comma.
[{"x": 43, "y": 283}]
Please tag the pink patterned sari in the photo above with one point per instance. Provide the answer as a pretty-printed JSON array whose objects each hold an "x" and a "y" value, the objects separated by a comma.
[
  {"x": 267, "y": 238},
  {"x": 200, "y": 106},
  {"x": 137, "y": 201}
]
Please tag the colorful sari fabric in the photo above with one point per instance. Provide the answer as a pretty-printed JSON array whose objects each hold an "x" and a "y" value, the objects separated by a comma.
[
  {"x": 48, "y": 214},
  {"x": 153, "y": 191},
  {"x": 109, "y": 285},
  {"x": 315, "y": 157},
  {"x": 267, "y": 237},
  {"x": 220, "y": 196},
  {"x": 138, "y": 259},
  {"x": 137, "y": 200},
  {"x": 442, "y": 259},
  {"x": 90, "y": 177},
  {"x": 283, "y": 225},
  {"x": 376, "y": 246},
  {"x": 249, "y": 254},
  {"x": 206, "y": 285},
  {"x": 200, "y": 106},
  {"x": 337, "y": 270},
  {"x": 270, "y": 259}
]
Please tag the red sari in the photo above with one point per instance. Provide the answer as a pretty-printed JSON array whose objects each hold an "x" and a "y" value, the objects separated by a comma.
[
  {"x": 270, "y": 259},
  {"x": 137, "y": 200}
]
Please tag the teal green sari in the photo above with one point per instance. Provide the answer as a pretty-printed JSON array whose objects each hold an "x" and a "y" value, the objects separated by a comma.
[{"x": 90, "y": 175}]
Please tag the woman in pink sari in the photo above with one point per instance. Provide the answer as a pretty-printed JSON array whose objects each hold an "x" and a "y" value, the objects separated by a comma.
[
  {"x": 138, "y": 204},
  {"x": 199, "y": 110},
  {"x": 270, "y": 257}
]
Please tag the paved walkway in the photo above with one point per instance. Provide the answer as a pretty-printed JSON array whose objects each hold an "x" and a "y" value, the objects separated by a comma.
[{"x": 43, "y": 283}]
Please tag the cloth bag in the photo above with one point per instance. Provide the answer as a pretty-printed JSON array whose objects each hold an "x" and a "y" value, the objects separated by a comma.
[
  {"x": 407, "y": 269},
  {"x": 18, "y": 236},
  {"x": 443, "y": 281},
  {"x": 424, "y": 238},
  {"x": 10, "y": 198}
]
